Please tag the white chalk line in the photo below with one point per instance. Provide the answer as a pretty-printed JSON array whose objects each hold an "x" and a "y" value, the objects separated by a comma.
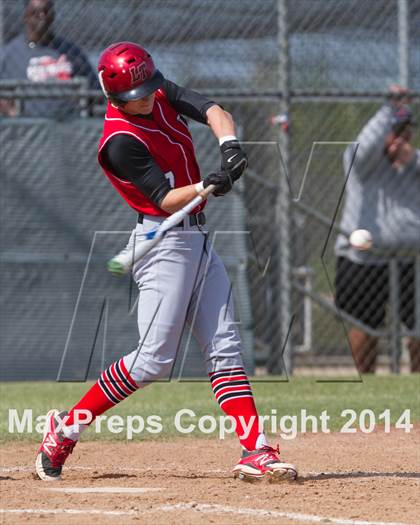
[
  {"x": 206, "y": 508},
  {"x": 71, "y": 511},
  {"x": 120, "y": 469},
  {"x": 106, "y": 490},
  {"x": 32, "y": 469},
  {"x": 177, "y": 471},
  {"x": 312, "y": 518}
]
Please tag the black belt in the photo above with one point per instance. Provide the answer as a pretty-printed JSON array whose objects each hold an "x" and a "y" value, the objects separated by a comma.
[{"x": 199, "y": 219}]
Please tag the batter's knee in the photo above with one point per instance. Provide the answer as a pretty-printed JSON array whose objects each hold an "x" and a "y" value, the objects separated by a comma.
[
  {"x": 146, "y": 368},
  {"x": 224, "y": 358}
]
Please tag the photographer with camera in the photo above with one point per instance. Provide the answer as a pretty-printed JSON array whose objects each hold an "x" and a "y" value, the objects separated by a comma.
[{"x": 383, "y": 197}]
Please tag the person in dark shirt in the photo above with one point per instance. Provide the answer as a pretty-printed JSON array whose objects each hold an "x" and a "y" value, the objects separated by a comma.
[{"x": 39, "y": 55}]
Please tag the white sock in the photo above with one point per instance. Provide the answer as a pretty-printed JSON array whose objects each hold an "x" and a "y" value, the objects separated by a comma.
[
  {"x": 73, "y": 431},
  {"x": 261, "y": 441}
]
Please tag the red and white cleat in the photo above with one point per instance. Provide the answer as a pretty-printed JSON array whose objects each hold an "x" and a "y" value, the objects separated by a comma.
[
  {"x": 54, "y": 450},
  {"x": 264, "y": 463}
]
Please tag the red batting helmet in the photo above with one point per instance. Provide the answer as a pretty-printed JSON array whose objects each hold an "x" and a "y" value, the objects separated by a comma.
[{"x": 127, "y": 72}]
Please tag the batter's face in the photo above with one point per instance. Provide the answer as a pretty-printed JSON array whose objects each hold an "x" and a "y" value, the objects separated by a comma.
[{"x": 141, "y": 106}]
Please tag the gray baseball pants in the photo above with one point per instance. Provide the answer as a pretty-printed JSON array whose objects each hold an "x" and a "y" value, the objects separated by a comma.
[{"x": 182, "y": 282}]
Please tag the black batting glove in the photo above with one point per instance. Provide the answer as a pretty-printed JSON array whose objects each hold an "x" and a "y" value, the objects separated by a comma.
[
  {"x": 234, "y": 158},
  {"x": 222, "y": 180}
]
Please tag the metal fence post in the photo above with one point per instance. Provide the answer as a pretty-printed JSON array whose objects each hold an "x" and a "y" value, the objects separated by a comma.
[
  {"x": 394, "y": 311},
  {"x": 83, "y": 100},
  {"x": 284, "y": 315},
  {"x": 403, "y": 42},
  {"x": 1, "y": 23}
]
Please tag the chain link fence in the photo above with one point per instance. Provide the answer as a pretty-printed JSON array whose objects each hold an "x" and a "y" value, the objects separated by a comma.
[{"x": 302, "y": 79}]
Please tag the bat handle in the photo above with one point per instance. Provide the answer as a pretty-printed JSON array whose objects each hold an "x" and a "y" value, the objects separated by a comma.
[
  {"x": 121, "y": 263},
  {"x": 207, "y": 191}
]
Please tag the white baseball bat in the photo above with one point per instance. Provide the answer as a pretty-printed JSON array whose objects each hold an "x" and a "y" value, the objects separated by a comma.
[{"x": 126, "y": 258}]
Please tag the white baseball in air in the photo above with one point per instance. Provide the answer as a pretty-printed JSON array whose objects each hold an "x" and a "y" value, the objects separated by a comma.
[{"x": 361, "y": 239}]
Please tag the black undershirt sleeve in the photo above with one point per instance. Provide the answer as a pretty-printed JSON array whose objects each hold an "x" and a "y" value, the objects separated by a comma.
[
  {"x": 128, "y": 159},
  {"x": 187, "y": 102}
]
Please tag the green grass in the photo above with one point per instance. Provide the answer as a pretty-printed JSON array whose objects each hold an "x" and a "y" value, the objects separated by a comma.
[{"x": 396, "y": 393}]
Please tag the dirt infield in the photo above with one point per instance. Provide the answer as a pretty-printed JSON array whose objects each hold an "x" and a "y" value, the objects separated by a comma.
[{"x": 344, "y": 479}]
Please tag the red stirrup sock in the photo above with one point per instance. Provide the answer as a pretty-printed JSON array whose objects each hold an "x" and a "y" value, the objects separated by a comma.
[
  {"x": 234, "y": 395},
  {"x": 113, "y": 385}
]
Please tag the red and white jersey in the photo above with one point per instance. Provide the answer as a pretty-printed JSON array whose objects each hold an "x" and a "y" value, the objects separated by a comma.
[{"x": 169, "y": 142}]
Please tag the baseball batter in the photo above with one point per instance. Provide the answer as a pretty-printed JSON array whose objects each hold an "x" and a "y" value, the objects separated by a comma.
[{"x": 147, "y": 153}]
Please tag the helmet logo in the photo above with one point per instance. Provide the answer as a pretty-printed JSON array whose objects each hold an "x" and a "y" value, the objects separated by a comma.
[{"x": 138, "y": 73}]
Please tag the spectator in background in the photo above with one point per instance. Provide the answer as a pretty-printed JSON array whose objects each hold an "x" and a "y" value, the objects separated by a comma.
[
  {"x": 39, "y": 55},
  {"x": 383, "y": 197}
]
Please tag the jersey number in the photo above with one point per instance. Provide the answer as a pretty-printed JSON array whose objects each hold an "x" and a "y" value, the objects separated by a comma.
[{"x": 171, "y": 178}]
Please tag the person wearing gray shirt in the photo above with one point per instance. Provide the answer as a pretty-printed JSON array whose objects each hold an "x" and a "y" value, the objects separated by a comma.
[
  {"x": 39, "y": 55},
  {"x": 382, "y": 196}
]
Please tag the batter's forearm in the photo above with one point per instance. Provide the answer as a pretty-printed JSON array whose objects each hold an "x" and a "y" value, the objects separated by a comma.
[
  {"x": 177, "y": 198},
  {"x": 221, "y": 122}
]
